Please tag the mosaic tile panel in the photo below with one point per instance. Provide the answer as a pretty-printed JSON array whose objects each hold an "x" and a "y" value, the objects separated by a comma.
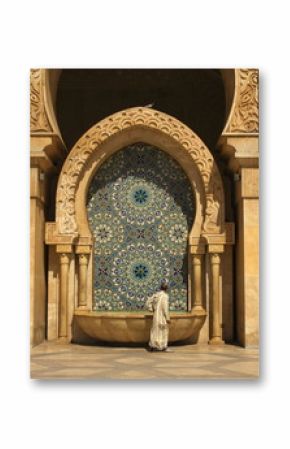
[{"x": 140, "y": 209}]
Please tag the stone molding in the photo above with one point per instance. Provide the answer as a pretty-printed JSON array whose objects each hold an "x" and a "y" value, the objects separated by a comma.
[{"x": 143, "y": 118}]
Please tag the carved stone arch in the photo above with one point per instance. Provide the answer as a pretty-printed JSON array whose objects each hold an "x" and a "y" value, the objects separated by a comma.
[
  {"x": 128, "y": 137},
  {"x": 124, "y": 128}
]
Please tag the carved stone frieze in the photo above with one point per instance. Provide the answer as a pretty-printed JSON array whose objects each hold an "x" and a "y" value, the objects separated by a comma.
[
  {"x": 245, "y": 116},
  {"x": 38, "y": 117},
  {"x": 143, "y": 117}
]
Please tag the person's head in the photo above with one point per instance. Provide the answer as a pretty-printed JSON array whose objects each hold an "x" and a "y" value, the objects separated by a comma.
[{"x": 164, "y": 286}]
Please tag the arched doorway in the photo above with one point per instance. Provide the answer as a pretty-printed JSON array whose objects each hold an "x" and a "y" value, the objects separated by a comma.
[
  {"x": 72, "y": 235},
  {"x": 140, "y": 211}
]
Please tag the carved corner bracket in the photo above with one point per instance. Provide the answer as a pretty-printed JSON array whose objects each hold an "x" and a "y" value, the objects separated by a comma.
[
  {"x": 39, "y": 122},
  {"x": 244, "y": 116}
]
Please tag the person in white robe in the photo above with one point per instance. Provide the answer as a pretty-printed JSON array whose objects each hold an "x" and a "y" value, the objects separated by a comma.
[{"x": 158, "y": 303}]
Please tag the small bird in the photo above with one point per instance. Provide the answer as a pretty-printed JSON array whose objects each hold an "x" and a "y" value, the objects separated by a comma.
[{"x": 150, "y": 105}]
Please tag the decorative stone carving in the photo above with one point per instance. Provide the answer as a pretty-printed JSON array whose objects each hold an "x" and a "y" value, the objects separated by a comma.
[
  {"x": 245, "y": 116},
  {"x": 38, "y": 117},
  {"x": 214, "y": 205},
  {"x": 211, "y": 215},
  {"x": 143, "y": 117}
]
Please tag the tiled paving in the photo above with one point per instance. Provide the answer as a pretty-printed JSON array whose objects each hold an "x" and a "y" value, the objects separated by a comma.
[{"x": 57, "y": 361}]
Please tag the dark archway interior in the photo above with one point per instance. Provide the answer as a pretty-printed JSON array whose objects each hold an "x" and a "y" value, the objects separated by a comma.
[{"x": 194, "y": 96}]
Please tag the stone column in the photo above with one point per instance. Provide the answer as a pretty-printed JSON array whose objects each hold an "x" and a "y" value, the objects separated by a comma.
[
  {"x": 63, "y": 302},
  {"x": 197, "y": 280},
  {"x": 83, "y": 271},
  {"x": 247, "y": 257},
  {"x": 37, "y": 256},
  {"x": 242, "y": 151},
  {"x": 216, "y": 337}
]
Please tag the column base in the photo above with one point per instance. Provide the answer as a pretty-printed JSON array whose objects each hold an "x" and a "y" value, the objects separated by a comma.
[
  {"x": 216, "y": 341},
  {"x": 62, "y": 340},
  {"x": 197, "y": 309}
]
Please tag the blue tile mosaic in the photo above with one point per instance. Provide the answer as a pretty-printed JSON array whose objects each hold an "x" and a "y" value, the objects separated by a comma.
[{"x": 140, "y": 209}]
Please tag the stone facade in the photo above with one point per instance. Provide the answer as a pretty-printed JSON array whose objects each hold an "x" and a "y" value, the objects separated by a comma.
[{"x": 62, "y": 251}]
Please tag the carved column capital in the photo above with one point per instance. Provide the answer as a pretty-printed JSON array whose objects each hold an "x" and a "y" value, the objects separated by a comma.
[
  {"x": 64, "y": 258},
  {"x": 215, "y": 258},
  {"x": 196, "y": 259},
  {"x": 83, "y": 259}
]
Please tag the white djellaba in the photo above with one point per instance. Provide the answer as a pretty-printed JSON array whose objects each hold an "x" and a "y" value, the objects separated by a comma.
[{"x": 158, "y": 303}]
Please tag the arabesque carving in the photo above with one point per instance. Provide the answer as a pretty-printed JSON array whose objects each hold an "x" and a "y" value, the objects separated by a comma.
[
  {"x": 38, "y": 117},
  {"x": 143, "y": 117},
  {"x": 245, "y": 116}
]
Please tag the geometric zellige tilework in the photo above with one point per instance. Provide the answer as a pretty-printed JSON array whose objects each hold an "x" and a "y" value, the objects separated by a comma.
[{"x": 140, "y": 209}]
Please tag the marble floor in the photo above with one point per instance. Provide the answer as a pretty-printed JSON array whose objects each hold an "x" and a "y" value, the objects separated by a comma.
[{"x": 58, "y": 361}]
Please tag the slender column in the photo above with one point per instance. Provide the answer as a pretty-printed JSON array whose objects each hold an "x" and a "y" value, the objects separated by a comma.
[
  {"x": 216, "y": 337},
  {"x": 64, "y": 267},
  {"x": 197, "y": 267},
  {"x": 83, "y": 270}
]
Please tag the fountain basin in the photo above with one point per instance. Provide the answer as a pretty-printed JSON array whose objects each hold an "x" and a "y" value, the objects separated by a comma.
[{"x": 120, "y": 327}]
